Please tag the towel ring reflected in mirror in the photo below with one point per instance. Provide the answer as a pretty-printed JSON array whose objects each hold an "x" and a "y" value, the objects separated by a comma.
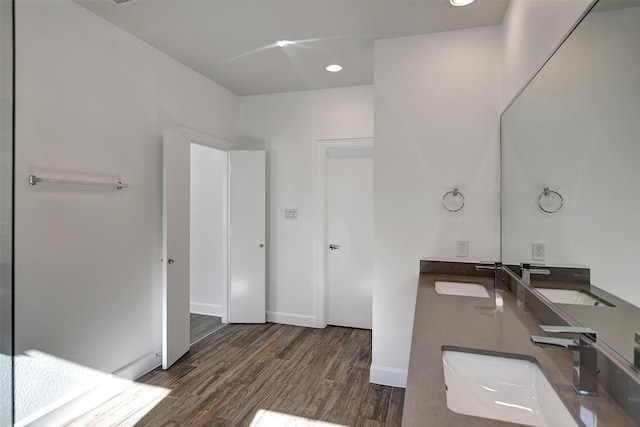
[
  {"x": 453, "y": 201},
  {"x": 547, "y": 196}
]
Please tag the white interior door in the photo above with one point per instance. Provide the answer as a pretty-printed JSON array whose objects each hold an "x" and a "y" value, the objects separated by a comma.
[
  {"x": 175, "y": 247},
  {"x": 247, "y": 246},
  {"x": 350, "y": 235}
]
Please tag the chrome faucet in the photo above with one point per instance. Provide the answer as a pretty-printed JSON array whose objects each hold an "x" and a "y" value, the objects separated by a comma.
[
  {"x": 526, "y": 271},
  {"x": 585, "y": 362},
  {"x": 498, "y": 277}
]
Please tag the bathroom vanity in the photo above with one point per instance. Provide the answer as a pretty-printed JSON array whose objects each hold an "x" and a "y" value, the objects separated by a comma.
[
  {"x": 570, "y": 203},
  {"x": 500, "y": 325}
]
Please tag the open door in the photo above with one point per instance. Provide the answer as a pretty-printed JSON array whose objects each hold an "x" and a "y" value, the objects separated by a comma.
[
  {"x": 175, "y": 247},
  {"x": 247, "y": 225}
]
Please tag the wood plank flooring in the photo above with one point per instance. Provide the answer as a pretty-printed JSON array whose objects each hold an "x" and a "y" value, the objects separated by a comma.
[
  {"x": 202, "y": 325},
  {"x": 261, "y": 375}
]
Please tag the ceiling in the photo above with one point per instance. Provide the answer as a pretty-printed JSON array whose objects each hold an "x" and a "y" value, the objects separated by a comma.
[{"x": 233, "y": 42}]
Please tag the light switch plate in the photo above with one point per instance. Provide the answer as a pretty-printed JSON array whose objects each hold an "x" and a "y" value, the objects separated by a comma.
[{"x": 291, "y": 214}]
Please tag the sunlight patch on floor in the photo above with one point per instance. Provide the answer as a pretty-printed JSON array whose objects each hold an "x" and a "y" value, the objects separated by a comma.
[
  {"x": 52, "y": 390},
  {"x": 126, "y": 408},
  {"x": 266, "y": 418},
  {"x": 139, "y": 400}
]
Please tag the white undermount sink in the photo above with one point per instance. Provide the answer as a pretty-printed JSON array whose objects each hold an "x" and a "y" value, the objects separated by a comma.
[
  {"x": 504, "y": 388},
  {"x": 461, "y": 289},
  {"x": 571, "y": 296}
]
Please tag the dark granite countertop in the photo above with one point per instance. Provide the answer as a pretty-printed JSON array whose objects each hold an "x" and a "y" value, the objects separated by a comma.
[{"x": 476, "y": 323}]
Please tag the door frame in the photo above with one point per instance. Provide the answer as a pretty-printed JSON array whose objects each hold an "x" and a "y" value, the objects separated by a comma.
[
  {"x": 324, "y": 148},
  {"x": 215, "y": 142}
]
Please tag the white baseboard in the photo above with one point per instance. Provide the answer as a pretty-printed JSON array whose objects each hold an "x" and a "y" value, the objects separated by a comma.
[
  {"x": 292, "y": 319},
  {"x": 77, "y": 405},
  {"x": 386, "y": 375},
  {"x": 206, "y": 309},
  {"x": 139, "y": 367}
]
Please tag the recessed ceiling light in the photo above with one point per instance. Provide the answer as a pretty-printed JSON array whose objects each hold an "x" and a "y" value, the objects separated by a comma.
[
  {"x": 333, "y": 68},
  {"x": 283, "y": 43},
  {"x": 460, "y": 2}
]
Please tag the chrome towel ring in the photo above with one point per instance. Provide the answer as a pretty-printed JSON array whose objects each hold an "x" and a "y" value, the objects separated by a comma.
[
  {"x": 546, "y": 198},
  {"x": 453, "y": 200}
]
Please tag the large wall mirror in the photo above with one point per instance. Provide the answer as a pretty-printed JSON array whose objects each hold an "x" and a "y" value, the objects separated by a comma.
[{"x": 571, "y": 174}]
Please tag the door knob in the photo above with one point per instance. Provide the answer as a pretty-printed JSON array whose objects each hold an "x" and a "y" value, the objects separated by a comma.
[
  {"x": 170, "y": 261},
  {"x": 261, "y": 245},
  {"x": 334, "y": 246}
]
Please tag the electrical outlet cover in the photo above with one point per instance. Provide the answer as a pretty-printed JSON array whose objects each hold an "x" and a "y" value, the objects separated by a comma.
[
  {"x": 537, "y": 251},
  {"x": 462, "y": 248}
]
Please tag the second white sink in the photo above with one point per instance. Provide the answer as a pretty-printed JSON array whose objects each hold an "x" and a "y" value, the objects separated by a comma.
[
  {"x": 461, "y": 289},
  {"x": 571, "y": 296},
  {"x": 501, "y": 388}
]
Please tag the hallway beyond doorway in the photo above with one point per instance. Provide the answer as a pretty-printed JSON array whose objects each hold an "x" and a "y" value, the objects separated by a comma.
[{"x": 202, "y": 326}]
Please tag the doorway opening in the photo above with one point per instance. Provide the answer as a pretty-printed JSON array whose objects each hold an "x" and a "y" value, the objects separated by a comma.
[
  {"x": 225, "y": 258},
  {"x": 208, "y": 241},
  {"x": 345, "y": 233}
]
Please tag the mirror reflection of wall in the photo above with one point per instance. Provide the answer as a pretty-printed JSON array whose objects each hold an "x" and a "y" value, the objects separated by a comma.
[{"x": 576, "y": 130}]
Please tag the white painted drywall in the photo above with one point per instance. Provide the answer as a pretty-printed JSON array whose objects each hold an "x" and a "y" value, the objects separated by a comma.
[
  {"x": 92, "y": 104},
  {"x": 437, "y": 103},
  {"x": 575, "y": 129},
  {"x": 288, "y": 126},
  {"x": 532, "y": 29},
  {"x": 208, "y": 229}
]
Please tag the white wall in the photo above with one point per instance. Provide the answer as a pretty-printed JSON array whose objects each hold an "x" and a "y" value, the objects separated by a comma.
[
  {"x": 288, "y": 126},
  {"x": 532, "y": 29},
  {"x": 92, "y": 102},
  {"x": 437, "y": 103},
  {"x": 6, "y": 220},
  {"x": 208, "y": 229},
  {"x": 575, "y": 129}
]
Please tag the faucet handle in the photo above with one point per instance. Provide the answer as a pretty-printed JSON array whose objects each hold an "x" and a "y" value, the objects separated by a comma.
[{"x": 580, "y": 330}]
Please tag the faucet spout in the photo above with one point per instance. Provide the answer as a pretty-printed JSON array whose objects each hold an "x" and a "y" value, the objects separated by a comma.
[{"x": 552, "y": 342}]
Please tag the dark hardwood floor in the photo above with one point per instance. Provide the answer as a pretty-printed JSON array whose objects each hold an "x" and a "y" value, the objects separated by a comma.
[
  {"x": 201, "y": 326},
  {"x": 261, "y": 375}
]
